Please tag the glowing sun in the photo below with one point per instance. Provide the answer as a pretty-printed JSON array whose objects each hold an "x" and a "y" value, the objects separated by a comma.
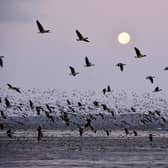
[{"x": 124, "y": 38}]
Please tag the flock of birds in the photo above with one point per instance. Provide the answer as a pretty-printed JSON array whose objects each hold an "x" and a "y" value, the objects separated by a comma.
[{"x": 65, "y": 115}]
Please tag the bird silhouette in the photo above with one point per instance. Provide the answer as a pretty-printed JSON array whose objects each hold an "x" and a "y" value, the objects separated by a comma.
[
  {"x": 157, "y": 112},
  {"x": 157, "y": 89},
  {"x": 166, "y": 68},
  {"x": 13, "y": 88},
  {"x": 138, "y": 53},
  {"x": 1, "y": 126},
  {"x": 9, "y": 133},
  {"x": 88, "y": 63},
  {"x": 3, "y": 115},
  {"x": 31, "y": 104},
  {"x": 150, "y": 137},
  {"x": 81, "y": 37},
  {"x": 104, "y": 91},
  {"x": 1, "y": 61},
  {"x": 40, "y": 27},
  {"x": 73, "y": 72},
  {"x": 96, "y": 103},
  {"x": 81, "y": 129},
  {"x": 108, "y": 88},
  {"x": 68, "y": 102},
  {"x": 7, "y": 103},
  {"x": 107, "y": 132},
  {"x": 135, "y": 133},
  {"x": 49, "y": 109},
  {"x": 121, "y": 66},
  {"x": 88, "y": 125},
  {"x": 40, "y": 134},
  {"x": 150, "y": 78},
  {"x": 126, "y": 131},
  {"x": 133, "y": 109},
  {"x": 65, "y": 118},
  {"x": 49, "y": 116},
  {"x": 38, "y": 109}
]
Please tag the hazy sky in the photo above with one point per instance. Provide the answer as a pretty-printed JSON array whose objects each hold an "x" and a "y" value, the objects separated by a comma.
[{"x": 34, "y": 60}]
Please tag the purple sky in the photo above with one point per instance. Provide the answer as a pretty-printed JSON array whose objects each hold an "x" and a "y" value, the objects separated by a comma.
[{"x": 35, "y": 60}]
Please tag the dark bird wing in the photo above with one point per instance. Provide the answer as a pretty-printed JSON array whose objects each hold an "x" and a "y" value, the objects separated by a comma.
[
  {"x": 151, "y": 79},
  {"x": 40, "y": 27},
  {"x": 79, "y": 34},
  {"x": 72, "y": 69},
  {"x": 9, "y": 85},
  {"x": 108, "y": 88},
  {"x": 137, "y": 51},
  {"x": 122, "y": 67},
  {"x": 1, "y": 62},
  {"x": 87, "y": 61},
  {"x": 17, "y": 90}
]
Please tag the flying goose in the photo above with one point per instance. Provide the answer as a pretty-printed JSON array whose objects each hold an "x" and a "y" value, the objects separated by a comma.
[
  {"x": 87, "y": 62},
  {"x": 138, "y": 53},
  {"x": 121, "y": 66},
  {"x": 108, "y": 88},
  {"x": 73, "y": 72},
  {"x": 9, "y": 133},
  {"x": 41, "y": 28},
  {"x": 81, "y": 38},
  {"x": 13, "y": 88},
  {"x": 157, "y": 89},
  {"x": 1, "y": 61},
  {"x": 151, "y": 78},
  {"x": 7, "y": 103},
  {"x": 104, "y": 91}
]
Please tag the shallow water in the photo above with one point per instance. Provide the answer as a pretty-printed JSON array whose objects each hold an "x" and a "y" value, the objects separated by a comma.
[{"x": 66, "y": 149}]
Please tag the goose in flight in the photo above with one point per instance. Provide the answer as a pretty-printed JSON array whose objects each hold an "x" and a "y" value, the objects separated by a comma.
[
  {"x": 151, "y": 78},
  {"x": 68, "y": 102},
  {"x": 126, "y": 131},
  {"x": 7, "y": 103},
  {"x": 121, "y": 66},
  {"x": 88, "y": 63},
  {"x": 49, "y": 116},
  {"x": 108, "y": 88},
  {"x": 9, "y": 133},
  {"x": 157, "y": 89},
  {"x": 41, "y": 28},
  {"x": 135, "y": 133},
  {"x": 73, "y": 72},
  {"x": 13, "y": 88},
  {"x": 81, "y": 38},
  {"x": 104, "y": 91},
  {"x": 1, "y": 61},
  {"x": 3, "y": 115},
  {"x": 31, "y": 104},
  {"x": 138, "y": 53}
]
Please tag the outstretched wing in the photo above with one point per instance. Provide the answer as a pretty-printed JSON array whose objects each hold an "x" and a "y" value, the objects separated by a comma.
[
  {"x": 40, "y": 27},
  {"x": 137, "y": 51},
  {"x": 72, "y": 69},
  {"x": 79, "y": 34},
  {"x": 9, "y": 85}
]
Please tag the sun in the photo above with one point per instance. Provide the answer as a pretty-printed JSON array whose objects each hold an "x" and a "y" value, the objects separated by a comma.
[{"x": 124, "y": 38}]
